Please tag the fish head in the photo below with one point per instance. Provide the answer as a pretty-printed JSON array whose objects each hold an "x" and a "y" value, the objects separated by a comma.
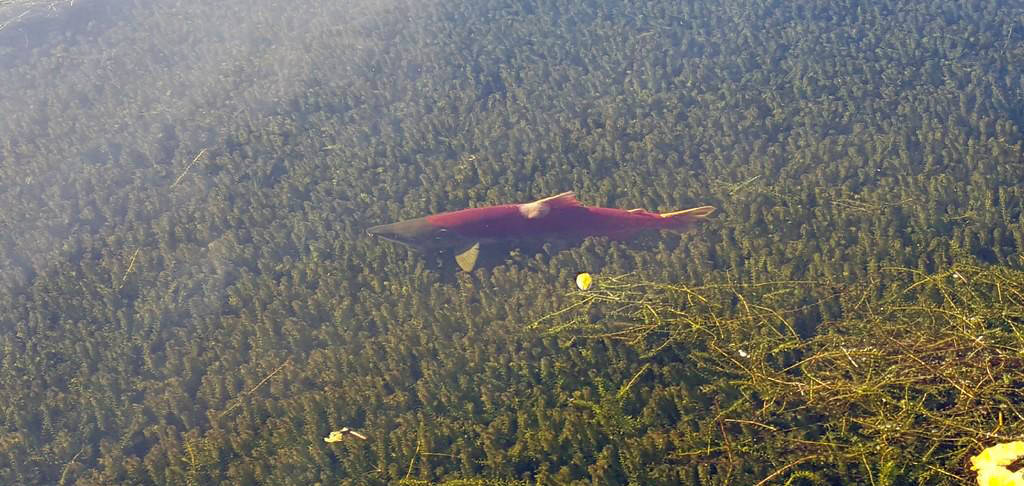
[{"x": 418, "y": 234}]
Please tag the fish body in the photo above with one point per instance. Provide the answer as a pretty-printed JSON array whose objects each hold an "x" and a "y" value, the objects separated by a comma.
[{"x": 559, "y": 218}]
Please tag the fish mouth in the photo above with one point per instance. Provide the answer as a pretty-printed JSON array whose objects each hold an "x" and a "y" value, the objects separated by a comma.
[
  {"x": 383, "y": 233},
  {"x": 409, "y": 233}
]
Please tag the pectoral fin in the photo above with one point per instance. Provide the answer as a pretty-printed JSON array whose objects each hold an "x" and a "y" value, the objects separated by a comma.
[{"x": 466, "y": 257}]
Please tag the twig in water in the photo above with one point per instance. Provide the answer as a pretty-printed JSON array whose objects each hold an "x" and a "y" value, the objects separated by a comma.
[
  {"x": 251, "y": 390},
  {"x": 64, "y": 473},
  {"x": 182, "y": 176},
  {"x": 413, "y": 460},
  {"x": 785, "y": 468},
  {"x": 131, "y": 265}
]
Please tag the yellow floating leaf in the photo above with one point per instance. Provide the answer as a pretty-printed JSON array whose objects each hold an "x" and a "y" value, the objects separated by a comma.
[
  {"x": 584, "y": 281},
  {"x": 991, "y": 465},
  {"x": 339, "y": 435},
  {"x": 335, "y": 436}
]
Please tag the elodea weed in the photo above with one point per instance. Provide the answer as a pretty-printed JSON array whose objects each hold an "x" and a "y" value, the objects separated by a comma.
[{"x": 898, "y": 379}]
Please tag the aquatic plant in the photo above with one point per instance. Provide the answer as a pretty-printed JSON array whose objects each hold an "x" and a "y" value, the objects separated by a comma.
[
  {"x": 867, "y": 382},
  {"x": 188, "y": 294}
]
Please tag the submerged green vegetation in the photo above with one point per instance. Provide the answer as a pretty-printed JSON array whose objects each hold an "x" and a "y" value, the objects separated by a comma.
[
  {"x": 188, "y": 296},
  {"x": 899, "y": 387}
]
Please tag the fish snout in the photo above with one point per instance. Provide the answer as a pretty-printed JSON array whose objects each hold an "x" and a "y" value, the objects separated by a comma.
[
  {"x": 417, "y": 233},
  {"x": 385, "y": 231}
]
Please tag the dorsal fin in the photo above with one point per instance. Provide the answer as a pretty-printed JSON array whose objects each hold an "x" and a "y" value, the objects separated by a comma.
[{"x": 541, "y": 207}]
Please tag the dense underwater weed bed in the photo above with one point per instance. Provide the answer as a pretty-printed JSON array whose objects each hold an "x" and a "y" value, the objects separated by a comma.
[{"x": 865, "y": 383}]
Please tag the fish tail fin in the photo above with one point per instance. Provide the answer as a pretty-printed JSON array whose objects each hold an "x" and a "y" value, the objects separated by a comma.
[{"x": 682, "y": 220}]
